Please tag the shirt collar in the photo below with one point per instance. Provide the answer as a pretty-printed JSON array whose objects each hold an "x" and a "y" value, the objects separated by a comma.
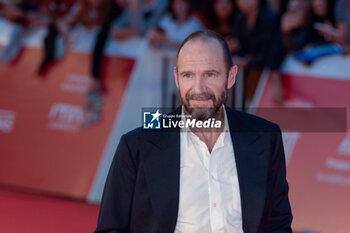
[{"x": 188, "y": 134}]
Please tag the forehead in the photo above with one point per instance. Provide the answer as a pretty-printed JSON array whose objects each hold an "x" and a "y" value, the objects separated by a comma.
[{"x": 201, "y": 53}]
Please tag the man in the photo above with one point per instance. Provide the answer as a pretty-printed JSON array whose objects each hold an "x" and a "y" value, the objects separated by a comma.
[{"x": 230, "y": 179}]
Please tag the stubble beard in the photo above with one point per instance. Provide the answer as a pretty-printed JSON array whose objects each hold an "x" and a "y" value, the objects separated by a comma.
[{"x": 203, "y": 114}]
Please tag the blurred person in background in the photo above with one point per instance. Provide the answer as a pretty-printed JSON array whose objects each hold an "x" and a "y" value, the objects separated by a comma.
[
  {"x": 332, "y": 28},
  {"x": 138, "y": 17},
  {"x": 91, "y": 18},
  {"x": 342, "y": 16},
  {"x": 74, "y": 23},
  {"x": 220, "y": 16},
  {"x": 309, "y": 30},
  {"x": 277, "y": 6},
  {"x": 91, "y": 13},
  {"x": 125, "y": 20},
  {"x": 320, "y": 30},
  {"x": 24, "y": 15},
  {"x": 260, "y": 46},
  {"x": 57, "y": 12},
  {"x": 68, "y": 21},
  {"x": 115, "y": 9},
  {"x": 11, "y": 10},
  {"x": 294, "y": 24},
  {"x": 322, "y": 14},
  {"x": 176, "y": 25},
  {"x": 98, "y": 87},
  {"x": 196, "y": 6},
  {"x": 274, "y": 5}
]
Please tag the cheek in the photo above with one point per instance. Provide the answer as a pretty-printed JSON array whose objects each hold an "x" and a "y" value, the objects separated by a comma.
[
  {"x": 217, "y": 84},
  {"x": 183, "y": 90},
  {"x": 219, "y": 90}
]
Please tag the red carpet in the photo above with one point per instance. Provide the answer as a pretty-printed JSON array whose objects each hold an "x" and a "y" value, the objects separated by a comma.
[{"x": 30, "y": 213}]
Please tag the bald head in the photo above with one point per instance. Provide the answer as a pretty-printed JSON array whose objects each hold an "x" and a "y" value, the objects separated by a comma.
[{"x": 207, "y": 36}]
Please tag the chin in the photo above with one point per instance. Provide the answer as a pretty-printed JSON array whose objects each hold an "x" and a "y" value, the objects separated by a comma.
[
  {"x": 202, "y": 113},
  {"x": 203, "y": 104}
]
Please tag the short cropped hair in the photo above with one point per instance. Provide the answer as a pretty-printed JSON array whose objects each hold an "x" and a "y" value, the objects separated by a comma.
[{"x": 204, "y": 35}]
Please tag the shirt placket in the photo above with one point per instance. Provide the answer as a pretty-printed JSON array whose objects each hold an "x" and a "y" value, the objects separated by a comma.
[{"x": 216, "y": 212}]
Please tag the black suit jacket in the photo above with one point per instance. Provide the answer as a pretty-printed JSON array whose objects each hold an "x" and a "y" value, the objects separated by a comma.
[{"x": 142, "y": 188}]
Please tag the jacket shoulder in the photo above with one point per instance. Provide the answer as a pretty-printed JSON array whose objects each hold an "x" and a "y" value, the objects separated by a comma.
[{"x": 249, "y": 122}]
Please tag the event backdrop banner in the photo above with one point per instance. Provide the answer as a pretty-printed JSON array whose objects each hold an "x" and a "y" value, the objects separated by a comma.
[
  {"x": 44, "y": 145},
  {"x": 318, "y": 158}
]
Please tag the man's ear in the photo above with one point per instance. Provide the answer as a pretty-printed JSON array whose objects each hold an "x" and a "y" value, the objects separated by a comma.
[
  {"x": 175, "y": 76},
  {"x": 231, "y": 79}
]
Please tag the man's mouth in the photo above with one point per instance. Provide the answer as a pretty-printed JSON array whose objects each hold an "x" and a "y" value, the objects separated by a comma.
[{"x": 201, "y": 99}]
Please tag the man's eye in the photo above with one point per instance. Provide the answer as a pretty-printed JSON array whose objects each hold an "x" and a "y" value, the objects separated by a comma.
[
  {"x": 188, "y": 75},
  {"x": 210, "y": 75}
]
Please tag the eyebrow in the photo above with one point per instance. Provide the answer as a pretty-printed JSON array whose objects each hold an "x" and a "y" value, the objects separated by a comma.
[
  {"x": 211, "y": 71},
  {"x": 186, "y": 72},
  {"x": 205, "y": 71}
]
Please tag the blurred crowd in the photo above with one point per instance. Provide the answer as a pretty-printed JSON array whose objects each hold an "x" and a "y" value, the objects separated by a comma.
[{"x": 260, "y": 33}]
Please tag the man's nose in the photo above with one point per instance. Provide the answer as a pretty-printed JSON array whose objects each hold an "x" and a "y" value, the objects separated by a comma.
[{"x": 199, "y": 85}]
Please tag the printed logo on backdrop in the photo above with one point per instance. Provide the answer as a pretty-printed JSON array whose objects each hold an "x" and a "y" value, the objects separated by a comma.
[
  {"x": 338, "y": 166},
  {"x": 290, "y": 140},
  {"x": 65, "y": 117},
  {"x": 7, "y": 121},
  {"x": 344, "y": 146},
  {"x": 298, "y": 103},
  {"x": 76, "y": 83}
]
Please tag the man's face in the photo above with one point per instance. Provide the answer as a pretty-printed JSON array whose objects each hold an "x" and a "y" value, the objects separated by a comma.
[
  {"x": 245, "y": 6},
  {"x": 298, "y": 5},
  {"x": 202, "y": 78},
  {"x": 181, "y": 9},
  {"x": 223, "y": 9},
  {"x": 319, "y": 7}
]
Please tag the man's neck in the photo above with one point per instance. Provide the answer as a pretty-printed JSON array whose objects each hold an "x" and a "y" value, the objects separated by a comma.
[{"x": 210, "y": 135}]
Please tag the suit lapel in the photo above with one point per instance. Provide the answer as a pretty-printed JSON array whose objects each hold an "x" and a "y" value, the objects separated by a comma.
[
  {"x": 250, "y": 169},
  {"x": 162, "y": 170}
]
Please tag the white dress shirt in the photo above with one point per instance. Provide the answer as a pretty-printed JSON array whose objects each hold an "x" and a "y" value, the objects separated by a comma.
[{"x": 209, "y": 200}]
